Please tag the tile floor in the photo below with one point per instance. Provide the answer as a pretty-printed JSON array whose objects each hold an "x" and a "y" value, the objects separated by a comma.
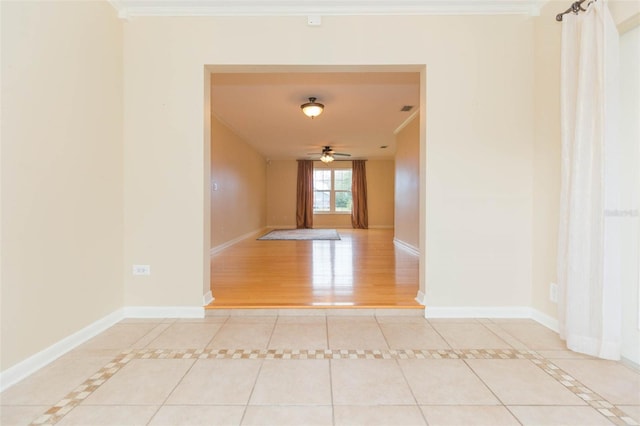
[{"x": 330, "y": 368}]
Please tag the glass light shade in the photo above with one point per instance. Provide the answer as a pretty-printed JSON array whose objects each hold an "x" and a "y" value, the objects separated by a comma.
[
  {"x": 326, "y": 158},
  {"x": 312, "y": 108}
]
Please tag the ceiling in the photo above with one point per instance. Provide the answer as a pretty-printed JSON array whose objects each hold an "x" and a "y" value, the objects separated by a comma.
[{"x": 362, "y": 111}]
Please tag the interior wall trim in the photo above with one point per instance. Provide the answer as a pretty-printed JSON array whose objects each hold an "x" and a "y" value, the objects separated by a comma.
[
  {"x": 207, "y": 298},
  {"x": 406, "y": 247},
  {"x": 131, "y": 8},
  {"x": 25, "y": 368},
  {"x": 217, "y": 249},
  {"x": 163, "y": 312},
  {"x": 507, "y": 312}
]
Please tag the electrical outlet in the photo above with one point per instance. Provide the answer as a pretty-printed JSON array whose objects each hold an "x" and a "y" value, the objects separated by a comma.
[
  {"x": 553, "y": 292},
  {"x": 141, "y": 270}
]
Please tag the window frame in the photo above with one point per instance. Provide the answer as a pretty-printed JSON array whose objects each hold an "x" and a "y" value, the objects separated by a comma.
[{"x": 333, "y": 191}]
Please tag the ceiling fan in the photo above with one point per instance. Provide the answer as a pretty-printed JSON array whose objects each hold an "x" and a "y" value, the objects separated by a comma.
[{"x": 328, "y": 154}]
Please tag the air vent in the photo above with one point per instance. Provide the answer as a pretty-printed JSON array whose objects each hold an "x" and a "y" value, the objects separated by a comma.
[{"x": 406, "y": 108}]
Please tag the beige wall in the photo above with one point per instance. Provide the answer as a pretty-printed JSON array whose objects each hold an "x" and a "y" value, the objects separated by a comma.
[
  {"x": 547, "y": 145},
  {"x": 281, "y": 195},
  {"x": 480, "y": 108},
  {"x": 61, "y": 171},
  {"x": 238, "y": 206},
  {"x": 380, "y": 192},
  {"x": 546, "y": 156},
  {"x": 407, "y": 182}
]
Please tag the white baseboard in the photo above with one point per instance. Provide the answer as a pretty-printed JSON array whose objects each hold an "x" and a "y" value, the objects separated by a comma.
[
  {"x": 406, "y": 247},
  {"x": 207, "y": 298},
  {"x": 544, "y": 319},
  {"x": 421, "y": 298},
  {"x": 35, "y": 362},
  {"x": 163, "y": 312},
  {"x": 491, "y": 312},
  {"x": 217, "y": 249}
]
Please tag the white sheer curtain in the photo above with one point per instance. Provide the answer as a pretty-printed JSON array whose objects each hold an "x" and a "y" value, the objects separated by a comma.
[{"x": 589, "y": 291}]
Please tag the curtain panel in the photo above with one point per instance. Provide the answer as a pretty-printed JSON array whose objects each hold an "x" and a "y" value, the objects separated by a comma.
[
  {"x": 589, "y": 300},
  {"x": 359, "y": 212},
  {"x": 304, "y": 197}
]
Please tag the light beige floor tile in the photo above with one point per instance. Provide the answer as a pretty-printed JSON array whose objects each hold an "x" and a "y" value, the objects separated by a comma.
[
  {"x": 120, "y": 336},
  {"x": 501, "y": 333},
  {"x": 342, "y": 312},
  {"x": 218, "y": 319},
  {"x": 132, "y": 415},
  {"x": 566, "y": 354},
  {"x": 301, "y": 319},
  {"x": 399, "y": 313},
  {"x": 452, "y": 415},
  {"x": 520, "y": 382},
  {"x": 248, "y": 313},
  {"x": 283, "y": 415},
  {"x": 141, "y": 382},
  {"x": 553, "y": 416},
  {"x": 633, "y": 411},
  {"x": 20, "y": 415},
  {"x": 299, "y": 334},
  {"x": 378, "y": 415},
  {"x": 302, "y": 312},
  {"x": 303, "y": 382},
  {"x": 152, "y": 335},
  {"x": 142, "y": 320},
  {"x": 453, "y": 320},
  {"x": 252, "y": 319},
  {"x": 445, "y": 381},
  {"x": 514, "y": 321},
  {"x": 355, "y": 333},
  {"x": 217, "y": 381},
  {"x": 184, "y": 335},
  {"x": 534, "y": 335},
  {"x": 52, "y": 383},
  {"x": 369, "y": 382},
  {"x": 613, "y": 381},
  {"x": 469, "y": 336},
  {"x": 412, "y": 336},
  {"x": 198, "y": 415},
  {"x": 242, "y": 336},
  {"x": 405, "y": 319}
]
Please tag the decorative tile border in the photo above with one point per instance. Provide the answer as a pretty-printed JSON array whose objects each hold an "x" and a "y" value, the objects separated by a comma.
[
  {"x": 615, "y": 415},
  {"x": 332, "y": 354},
  {"x": 54, "y": 414}
]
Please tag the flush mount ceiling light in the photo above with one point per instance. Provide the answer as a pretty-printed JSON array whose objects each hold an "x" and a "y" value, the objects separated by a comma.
[{"x": 312, "y": 108}]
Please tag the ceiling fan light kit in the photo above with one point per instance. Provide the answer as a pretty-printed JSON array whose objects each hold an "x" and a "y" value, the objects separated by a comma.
[
  {"x": 326, "y": 158},
  {"x": 312, "y": 108}
]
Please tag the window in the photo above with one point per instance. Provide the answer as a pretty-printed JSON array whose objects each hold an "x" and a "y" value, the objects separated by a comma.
[{"x": 332, "y": 191}]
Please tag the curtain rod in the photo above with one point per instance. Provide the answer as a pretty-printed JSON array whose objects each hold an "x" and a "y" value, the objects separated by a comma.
[{"x": 575, "y": 7}]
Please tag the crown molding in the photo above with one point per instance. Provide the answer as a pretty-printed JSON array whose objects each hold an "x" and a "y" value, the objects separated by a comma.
[{"x": 132, "y": 8}]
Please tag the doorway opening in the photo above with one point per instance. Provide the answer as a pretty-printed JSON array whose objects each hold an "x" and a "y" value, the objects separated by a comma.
[{"x": 257, "y": 133}]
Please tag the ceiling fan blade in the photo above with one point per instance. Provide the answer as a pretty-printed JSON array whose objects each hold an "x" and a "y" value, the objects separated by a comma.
[{"x": 342, "y": 154}]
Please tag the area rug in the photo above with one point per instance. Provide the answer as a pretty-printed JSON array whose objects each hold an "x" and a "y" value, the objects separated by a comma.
[{"x": 301, "y": 234}]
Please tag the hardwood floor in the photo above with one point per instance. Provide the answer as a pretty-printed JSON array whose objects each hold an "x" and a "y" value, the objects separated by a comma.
[{"x": 362, "y": 270}]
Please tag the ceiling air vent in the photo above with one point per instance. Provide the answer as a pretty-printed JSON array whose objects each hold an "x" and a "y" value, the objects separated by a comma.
[{"x": 406, "y": 108}]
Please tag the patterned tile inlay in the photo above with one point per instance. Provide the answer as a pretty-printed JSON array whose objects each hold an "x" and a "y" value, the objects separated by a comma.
[
  {"x": 74, "y": 398},
  {"x": 615, "y": 415}
]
